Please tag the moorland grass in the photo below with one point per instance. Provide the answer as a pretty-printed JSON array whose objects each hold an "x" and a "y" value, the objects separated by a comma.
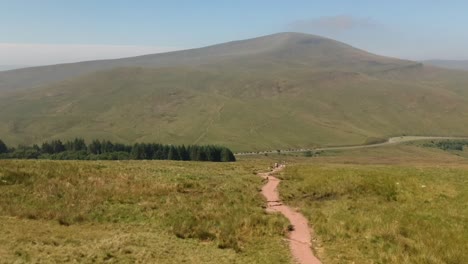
[
  {"x": 393, "y": 204},
  {"x": 145, "y": 211},
  {"x": 403, "y": 213}
]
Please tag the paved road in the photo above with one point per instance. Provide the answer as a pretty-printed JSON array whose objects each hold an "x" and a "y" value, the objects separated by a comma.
[{"x": 390, "y": 141}]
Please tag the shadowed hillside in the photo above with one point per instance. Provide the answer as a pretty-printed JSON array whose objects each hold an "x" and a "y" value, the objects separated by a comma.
[{"x": 279, "y": 91}]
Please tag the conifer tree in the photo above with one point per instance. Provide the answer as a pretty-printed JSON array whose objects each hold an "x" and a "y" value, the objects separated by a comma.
[
  {"x": 3, "y": 147},
  {"x": 80, "y": 144},
  {"x": 77, "y": 149},
  {"x": 183, "y": 153},
  {"x": 138, "y": 152},
  {"x": 95, "y": 147},
  {"x": 47, "y": 148},
  {"x": 107, "y": 146},
  {"x": 57, "y": 146},
  {"x": 171, "y": 154},
  {"x": 227, "y": 155}
]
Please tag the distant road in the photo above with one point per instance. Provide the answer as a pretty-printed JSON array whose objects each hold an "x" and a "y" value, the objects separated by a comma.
[{"x": 390, "y": 141}]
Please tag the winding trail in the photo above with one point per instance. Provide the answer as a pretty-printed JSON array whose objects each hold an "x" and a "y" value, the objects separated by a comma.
[{"x": 300, "y": 237}]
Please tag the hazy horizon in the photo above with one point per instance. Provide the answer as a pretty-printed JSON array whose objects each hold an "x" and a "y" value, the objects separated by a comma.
[{"x": 52, "y": 32}]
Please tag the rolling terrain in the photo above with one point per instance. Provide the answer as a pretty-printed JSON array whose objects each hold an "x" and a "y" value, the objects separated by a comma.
[{"x": 287, "y": 90}]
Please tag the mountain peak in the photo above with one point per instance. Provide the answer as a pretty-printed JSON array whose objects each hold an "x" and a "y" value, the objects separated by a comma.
[
  {"x": 292, "y": 35},
  {"x": 270, "y": 85},
  {"x": 288, "y": 38},
  {"x": 277, "y": 50}
]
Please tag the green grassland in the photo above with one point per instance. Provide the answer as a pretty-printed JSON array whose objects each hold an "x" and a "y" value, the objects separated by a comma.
[
  {"x": 136, "y": 211},
  {"x": 395, "y": 204},
  {"x": 277, "y": 92}
]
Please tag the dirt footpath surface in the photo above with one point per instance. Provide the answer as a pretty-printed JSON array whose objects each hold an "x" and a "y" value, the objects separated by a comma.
[{"x": 300, "y": 236}]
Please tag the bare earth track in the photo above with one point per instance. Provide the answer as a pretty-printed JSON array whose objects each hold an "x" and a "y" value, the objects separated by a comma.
[{"x": 300, "y": 236}]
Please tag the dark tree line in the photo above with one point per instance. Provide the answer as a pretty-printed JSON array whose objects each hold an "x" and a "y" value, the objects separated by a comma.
[
  {"x": 77, "y": 149},
  {"x": 3, "y": 147},
  {"x": 448, "y": 144}
]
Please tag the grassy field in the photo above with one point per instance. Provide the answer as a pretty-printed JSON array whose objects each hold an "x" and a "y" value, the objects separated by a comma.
[
  {"x": 394, "y": 204},
  {"x": 398, "y": 204},
  {"x": 144, "y": 212}
]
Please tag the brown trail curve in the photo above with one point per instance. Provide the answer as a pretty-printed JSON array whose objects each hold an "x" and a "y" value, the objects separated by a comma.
[{"x": 300, "y": 237}]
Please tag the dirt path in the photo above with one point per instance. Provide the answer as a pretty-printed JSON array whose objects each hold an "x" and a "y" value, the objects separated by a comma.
[
  {"x": 390, "y": 141},
  {"x": 300, "y": 237}
]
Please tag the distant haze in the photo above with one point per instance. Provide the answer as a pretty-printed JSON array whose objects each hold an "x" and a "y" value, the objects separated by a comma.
[
  {"x": 449, "y": 64},
  {"x": 14, "y": 55},
  {"x": 12, "y": 67},
  {"x": 73, "y": 31},
  {"x": 373, "y": 35}
]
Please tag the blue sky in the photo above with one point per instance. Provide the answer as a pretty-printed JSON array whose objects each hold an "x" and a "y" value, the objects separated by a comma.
[{"x": 408, "y": 29}]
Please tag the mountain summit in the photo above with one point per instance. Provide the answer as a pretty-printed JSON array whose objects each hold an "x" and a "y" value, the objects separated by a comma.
[
  {"x": 282, "y": 49},
  {"x": 279, "y": 91}
]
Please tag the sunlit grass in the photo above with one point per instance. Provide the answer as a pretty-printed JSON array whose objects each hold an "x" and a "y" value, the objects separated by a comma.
[
  {"x": 383, "y": 214},
  {"x": 148, "y": 211}
]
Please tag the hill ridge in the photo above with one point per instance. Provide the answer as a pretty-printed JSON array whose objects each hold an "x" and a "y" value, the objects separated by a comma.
[
  {"x": 273, "y": 92},
  {"x": 281, "y": 43}
]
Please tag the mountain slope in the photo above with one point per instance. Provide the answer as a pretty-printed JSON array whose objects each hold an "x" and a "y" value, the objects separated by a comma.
[
  {"x": 289, "y": 48},
  {"x": 449, "y": 64},
  {"x": 281, "y": 91},
  {"x": 11, "y": 67}
]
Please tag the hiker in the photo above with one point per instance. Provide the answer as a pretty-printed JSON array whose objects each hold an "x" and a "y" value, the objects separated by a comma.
[{"x": 276, "y": 165}]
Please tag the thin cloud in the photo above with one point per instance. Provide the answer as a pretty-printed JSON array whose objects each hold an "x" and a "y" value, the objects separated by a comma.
[
  {"x": 333, "y": 24},
  {"x": 44, "y": 54}
]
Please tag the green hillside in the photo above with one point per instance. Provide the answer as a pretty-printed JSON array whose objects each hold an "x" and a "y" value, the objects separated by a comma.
[{"x": 281, "y": 91}]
